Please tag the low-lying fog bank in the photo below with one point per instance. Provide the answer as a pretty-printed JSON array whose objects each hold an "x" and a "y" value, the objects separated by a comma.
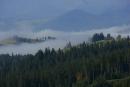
[{"x": 62, "y": 38}]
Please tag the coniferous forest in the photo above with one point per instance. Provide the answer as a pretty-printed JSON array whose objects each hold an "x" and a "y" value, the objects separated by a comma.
[{"x": 103, "y": 62}]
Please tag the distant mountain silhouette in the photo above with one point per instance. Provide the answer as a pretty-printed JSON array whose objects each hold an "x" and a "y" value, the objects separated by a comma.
[{"x": 77, "y": 20}]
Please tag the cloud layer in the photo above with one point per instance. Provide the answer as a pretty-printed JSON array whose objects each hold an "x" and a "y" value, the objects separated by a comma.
[{"x": 62, "y": 38}]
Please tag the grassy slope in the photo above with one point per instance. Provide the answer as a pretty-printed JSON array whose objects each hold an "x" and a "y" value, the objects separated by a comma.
[
  {"x": 8, "y": 41},
  {"x": 124, "y": 82}
]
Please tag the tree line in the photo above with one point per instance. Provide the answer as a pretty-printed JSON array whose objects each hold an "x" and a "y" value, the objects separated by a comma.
[{"x": 97, "y": 64}]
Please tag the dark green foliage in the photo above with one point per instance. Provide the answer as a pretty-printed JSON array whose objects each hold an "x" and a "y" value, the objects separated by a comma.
[
  {"x": 103, "y": 64},
  {"x": 98, "y": 37}
]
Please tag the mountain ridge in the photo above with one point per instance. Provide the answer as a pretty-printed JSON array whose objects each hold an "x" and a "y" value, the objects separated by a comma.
[{"x": 81, "y": 20}]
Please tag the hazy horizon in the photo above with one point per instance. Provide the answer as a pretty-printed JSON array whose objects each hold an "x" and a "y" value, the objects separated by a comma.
[{"x": 27, "y": 18}]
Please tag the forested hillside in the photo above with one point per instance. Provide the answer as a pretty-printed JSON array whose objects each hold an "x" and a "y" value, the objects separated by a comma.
[{"x": 105, "y": 62}]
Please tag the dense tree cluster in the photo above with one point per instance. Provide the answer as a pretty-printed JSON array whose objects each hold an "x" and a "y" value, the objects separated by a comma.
[
  {"x": 104, "y": 64},
  {"x": 101, "y": 36}
]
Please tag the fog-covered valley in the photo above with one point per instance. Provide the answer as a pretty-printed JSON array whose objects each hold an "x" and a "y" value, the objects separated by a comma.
[
  {"x": 62, "y": 38},
  {"x": 66, "y": 20}
]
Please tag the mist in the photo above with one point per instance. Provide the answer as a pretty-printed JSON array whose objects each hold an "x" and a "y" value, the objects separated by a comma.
[{"x": 62, "y": 38}]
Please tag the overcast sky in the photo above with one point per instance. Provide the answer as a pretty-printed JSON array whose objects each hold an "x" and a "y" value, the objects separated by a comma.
[{"x": 51, "y": 8}]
